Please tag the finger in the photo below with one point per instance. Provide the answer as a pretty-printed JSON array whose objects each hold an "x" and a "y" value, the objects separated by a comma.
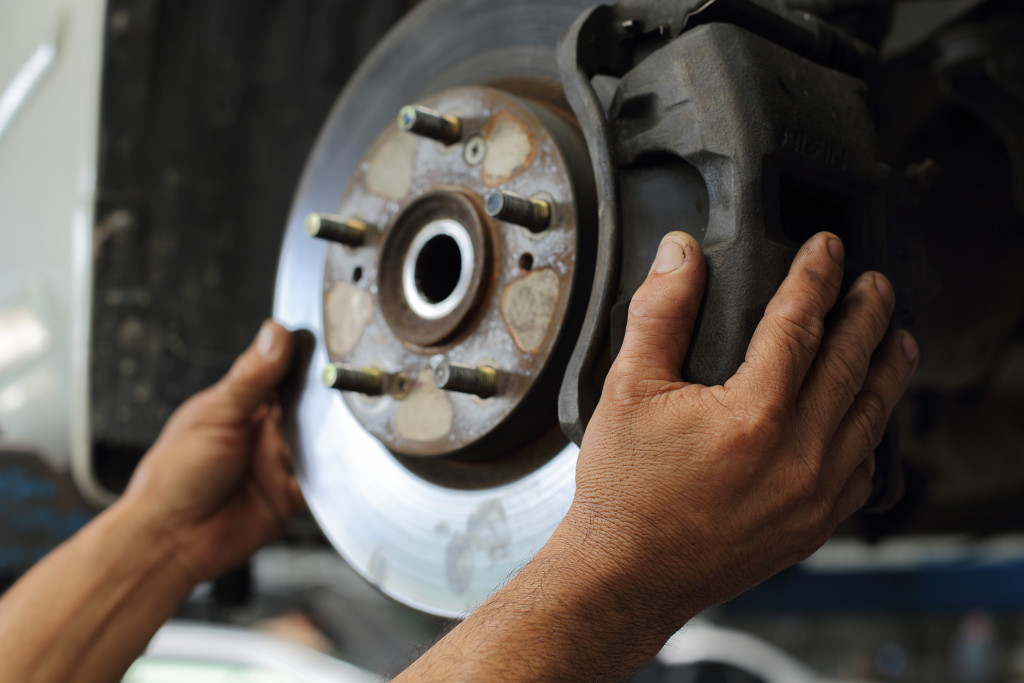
[
  {"x": 788, "y": 337},
  {"x": 261, "y": 411},
  {"x": 272, "y": 478},
  {"x": 840, "y": 368},
  {"x": 299, "y": 504},
  {"x": 663, "y": 310},
  {"x": 855, "y": 492},
  {"x": 275, "y": 435},
  {"x": 862, "y": 429},
  {"x": 255, "y": 375},
  {"x": 275, "y": 414}
]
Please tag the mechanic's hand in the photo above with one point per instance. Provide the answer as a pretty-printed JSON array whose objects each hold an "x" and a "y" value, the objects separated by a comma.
[
  {"x": 219, "y": 477},
  {"x": 692, "y": 494}
]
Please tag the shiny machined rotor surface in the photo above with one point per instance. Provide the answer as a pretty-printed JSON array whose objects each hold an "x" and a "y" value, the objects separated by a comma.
[{"x": 429, "y": 543}]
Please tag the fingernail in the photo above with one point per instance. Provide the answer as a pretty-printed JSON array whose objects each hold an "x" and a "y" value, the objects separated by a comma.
[
  {"x": 835, "y": 250},
  {"x": 266, "y": 340},
  {"x": 670, "y": 257},
  {"x": 910, "y": 347},
  {"x": 884, "y": 288}
]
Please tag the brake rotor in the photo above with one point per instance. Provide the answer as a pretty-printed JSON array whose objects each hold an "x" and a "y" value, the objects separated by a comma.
[{"x": 438, "y": 468}]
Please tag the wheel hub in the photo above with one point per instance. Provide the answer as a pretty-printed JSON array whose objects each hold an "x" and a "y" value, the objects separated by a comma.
[{"x": 449, "y": 275}]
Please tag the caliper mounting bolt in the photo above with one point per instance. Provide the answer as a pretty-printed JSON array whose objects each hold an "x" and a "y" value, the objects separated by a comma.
[
  {"x": 533, "y": 214},
  {"x": 444, "y": 128},
  {"x": 344, "y": 377},
  {"x": 326, "y": 226},
  {"x": 481, "y": 380}
]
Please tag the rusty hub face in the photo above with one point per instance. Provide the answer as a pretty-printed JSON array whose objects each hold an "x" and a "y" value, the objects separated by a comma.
[{"x": 437, "y": 280}]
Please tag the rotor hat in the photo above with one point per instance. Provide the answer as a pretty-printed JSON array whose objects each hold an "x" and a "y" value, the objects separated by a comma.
[{"x": 443, "y": 282}]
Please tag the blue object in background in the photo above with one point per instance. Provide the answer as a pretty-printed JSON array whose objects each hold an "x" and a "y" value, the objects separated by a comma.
[
  {"x": 946, "y": 587},
  {"x": 39, "y": 509}
]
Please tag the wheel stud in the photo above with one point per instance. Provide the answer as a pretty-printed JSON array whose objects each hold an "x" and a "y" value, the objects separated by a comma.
[
  {"x": 326, "y": 226},
  {"x": 533, "y": 214},
  {"x": 418, "y": 120},
  {"x": 480, "y": 380},
  {"x": 344, "y": 377}
]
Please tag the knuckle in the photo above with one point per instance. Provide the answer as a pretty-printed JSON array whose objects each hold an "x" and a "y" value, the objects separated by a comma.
[
  {"x": 807, "y": 477},
  {"x": 818, "y": 519},
  {"x": 642, "y": 307},
  {"x": 655, "y": 318},
  {"x": 196, "y": 409},
  {"x": 872, "y": 414},
  {"x": 804, "y": 488},
  {"x": 794, "y": 325},
  {"x": 624, "y": 383},
  {"x": 758, "y": 430},
  {"x": 657, "y": 306},
  {"x": 847, "y": 369},
  {"x": 654, "y": 323},
  {"x": 764, "y": 424},
  {"x": 772, "y": 408}
]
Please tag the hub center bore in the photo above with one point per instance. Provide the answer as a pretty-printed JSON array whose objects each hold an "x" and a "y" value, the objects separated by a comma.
[
  {"x": 433, "y": 265},
  {"x": 438, "y": 269}
]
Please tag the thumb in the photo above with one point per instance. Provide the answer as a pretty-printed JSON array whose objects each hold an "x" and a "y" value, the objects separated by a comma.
[
  {"x": 257, "y": 372},
  {"x": 664, "y": 308}
]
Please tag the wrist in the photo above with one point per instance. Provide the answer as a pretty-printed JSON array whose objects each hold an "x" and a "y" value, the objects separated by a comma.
[
  {"x": 590, "y": 590},
  {"x": 152, "y": 542},
  {"x": 633, "y": 586},
  {"x": 572, "y": 613}
]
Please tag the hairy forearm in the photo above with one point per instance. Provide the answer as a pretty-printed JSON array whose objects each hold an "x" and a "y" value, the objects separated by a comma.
[
  {"x": 561, "y": 618},
  {"x": 90, "y": 607}
]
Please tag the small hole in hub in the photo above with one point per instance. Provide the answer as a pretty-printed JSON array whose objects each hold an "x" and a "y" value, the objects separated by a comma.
[
  {"x": 357, "y": 274},
  {"x": 438, "y": 268},
  {"x": 526, "y": 262}
]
